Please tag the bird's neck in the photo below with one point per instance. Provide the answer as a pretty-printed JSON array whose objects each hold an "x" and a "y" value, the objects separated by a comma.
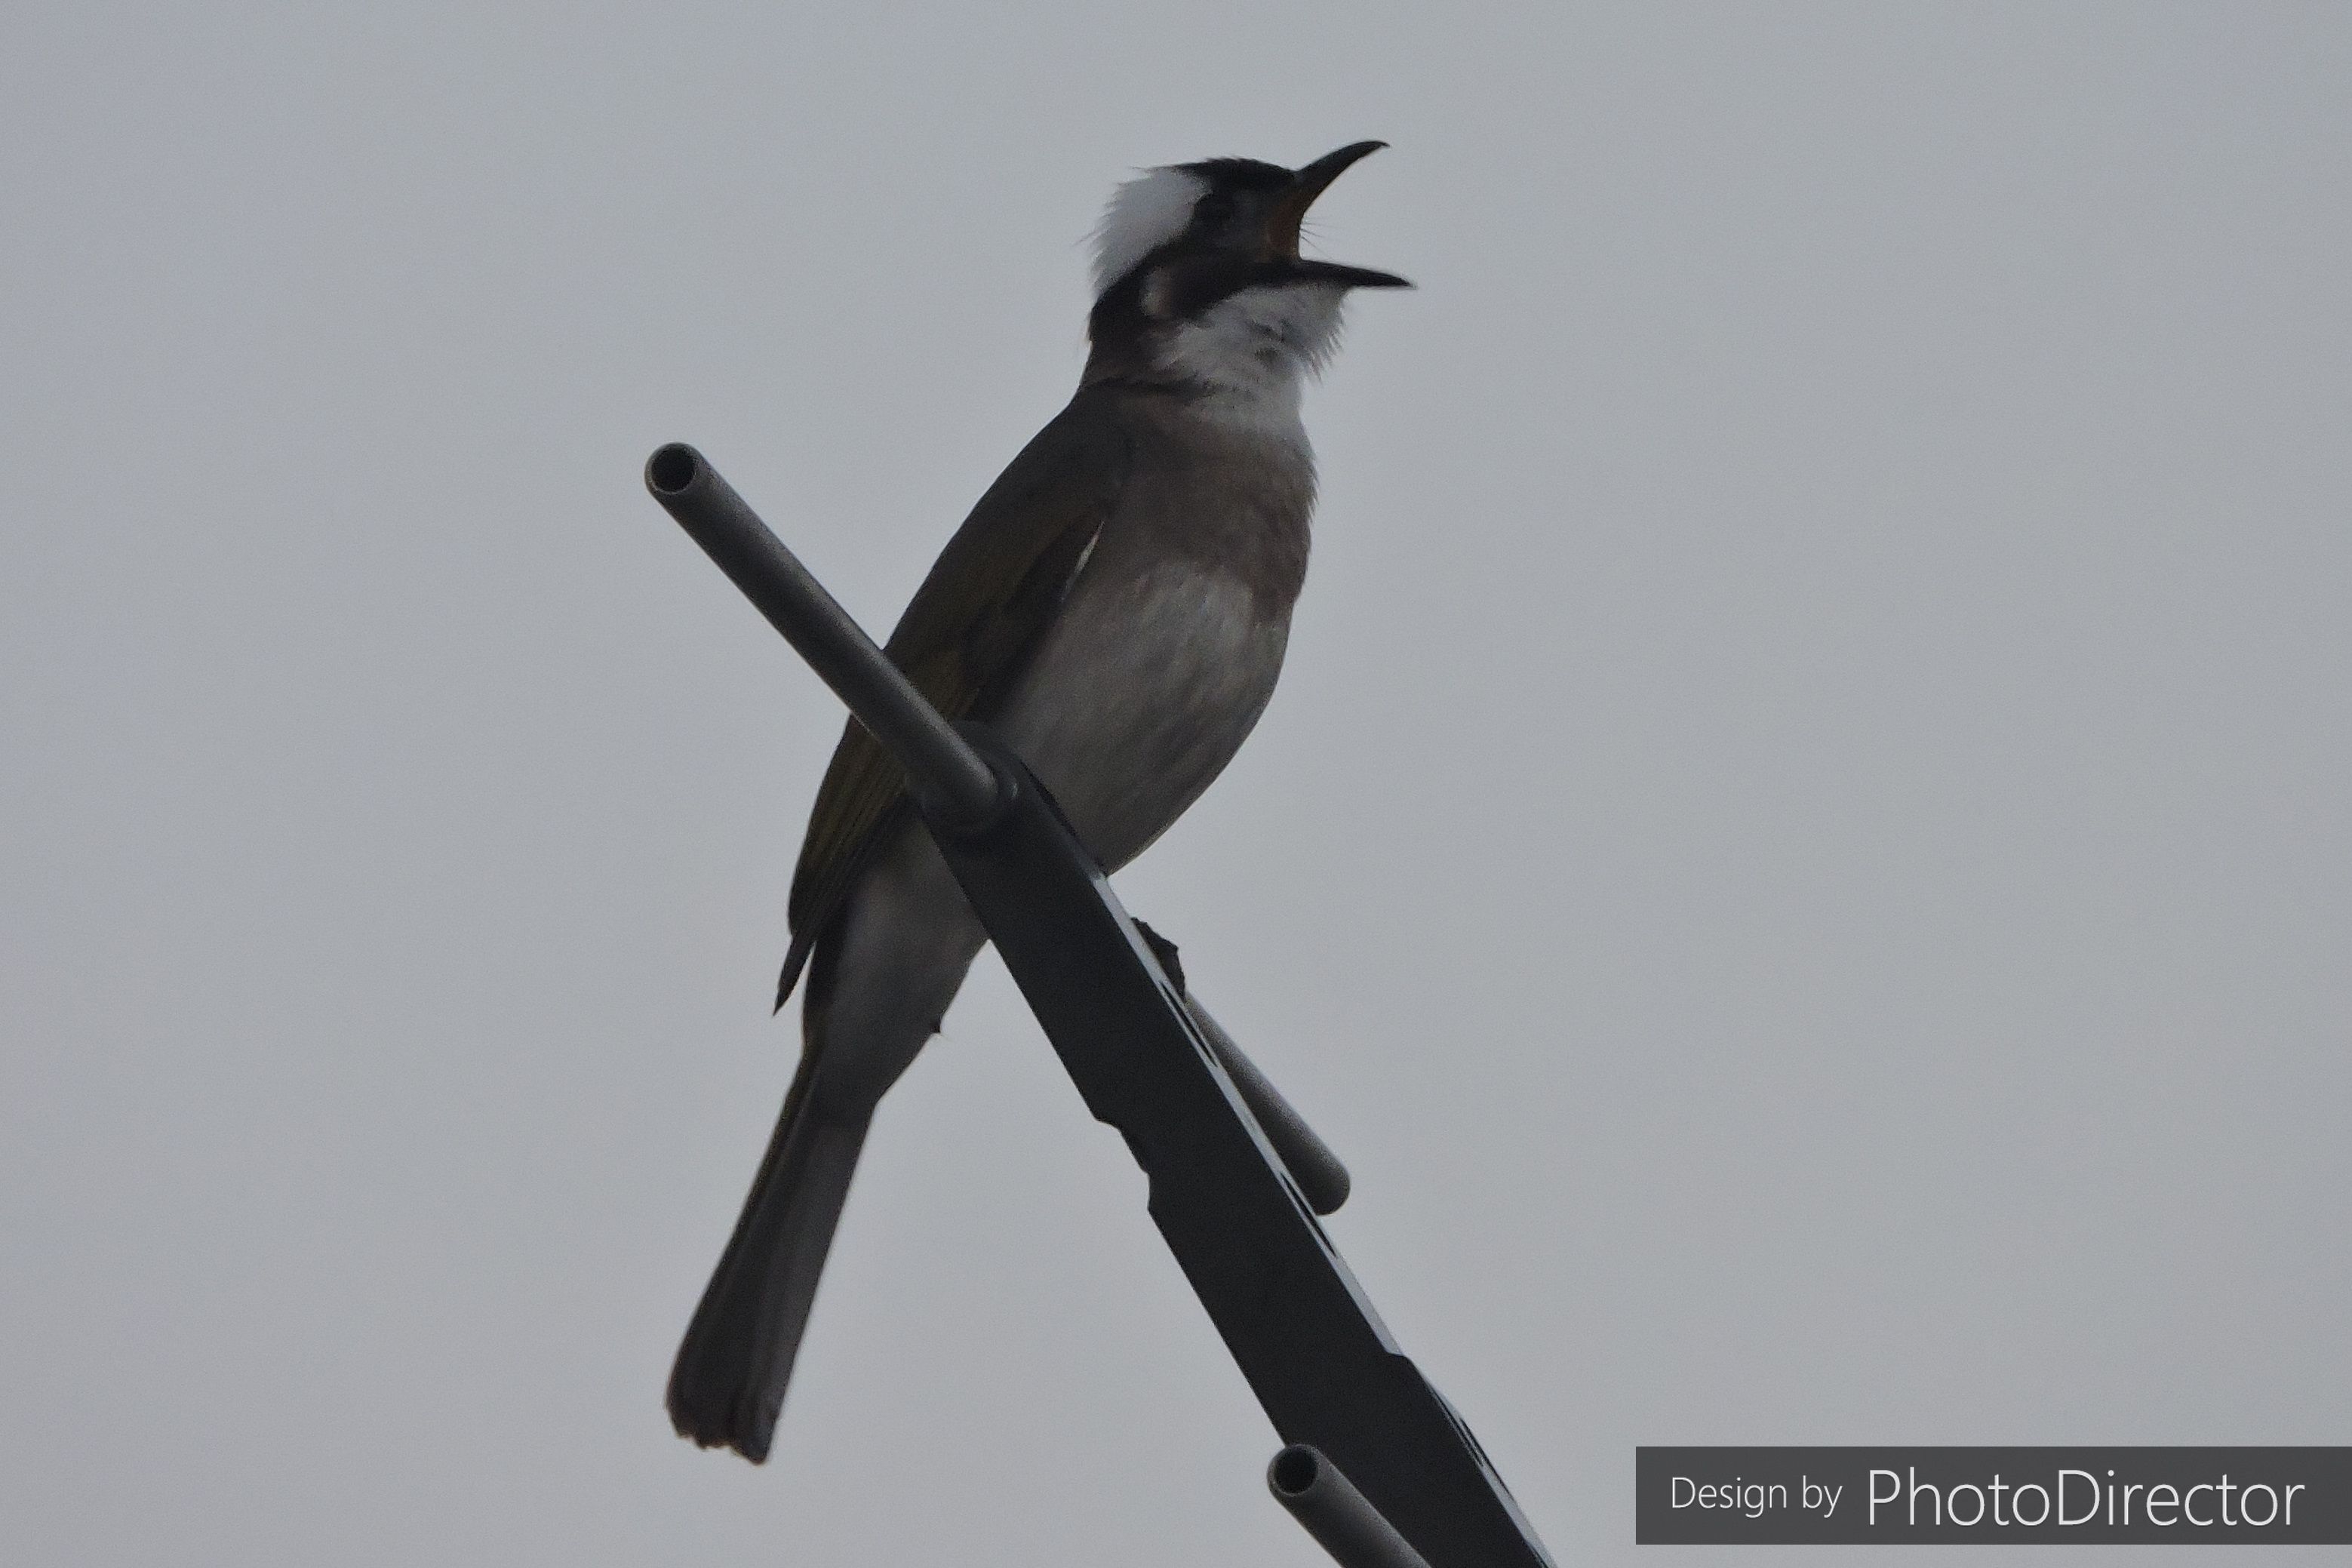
[{"x": 1242, "y": 361}]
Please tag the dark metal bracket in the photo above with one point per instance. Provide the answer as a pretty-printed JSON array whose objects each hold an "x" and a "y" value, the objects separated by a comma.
[{"x": 1378, "y": 1468}]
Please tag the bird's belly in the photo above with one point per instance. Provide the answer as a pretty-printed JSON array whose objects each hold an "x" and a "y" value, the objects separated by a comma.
[{"x": 1141, "y": 694}]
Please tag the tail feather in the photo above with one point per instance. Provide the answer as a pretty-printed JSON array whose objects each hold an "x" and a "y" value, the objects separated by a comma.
[{"x": 729, "y": 1382}]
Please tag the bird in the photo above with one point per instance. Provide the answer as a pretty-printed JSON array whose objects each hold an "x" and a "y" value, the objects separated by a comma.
[{"x": 1116, "y": 608}]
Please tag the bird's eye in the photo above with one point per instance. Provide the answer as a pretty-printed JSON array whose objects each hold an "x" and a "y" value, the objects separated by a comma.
[{"x": 1213, "y": 210}]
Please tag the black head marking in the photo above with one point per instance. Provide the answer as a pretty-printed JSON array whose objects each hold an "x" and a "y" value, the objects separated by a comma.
[{"x": 1240, "y": 173}]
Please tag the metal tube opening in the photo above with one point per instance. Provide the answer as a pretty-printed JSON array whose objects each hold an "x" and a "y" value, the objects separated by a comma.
[
  {"x": 1342, "y": 1520},
  {"x": 672, "y": 468}
]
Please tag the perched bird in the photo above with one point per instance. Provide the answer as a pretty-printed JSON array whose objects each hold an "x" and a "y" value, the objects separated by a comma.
[{"x": 1115, "y": 607}]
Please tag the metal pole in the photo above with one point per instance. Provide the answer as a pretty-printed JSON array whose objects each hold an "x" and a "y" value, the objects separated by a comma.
[
  {"x": 953, "y": 780},
  {"x": 1334, "y": 1513},
  {"x": 1322, "y": 1179}
]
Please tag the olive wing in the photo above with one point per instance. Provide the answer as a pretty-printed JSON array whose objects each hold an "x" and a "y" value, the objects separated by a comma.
[{"x": 964, "y": 639}]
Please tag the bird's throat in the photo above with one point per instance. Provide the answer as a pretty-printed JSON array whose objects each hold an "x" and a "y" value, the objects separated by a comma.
[{"x": 1247, "y": 357}]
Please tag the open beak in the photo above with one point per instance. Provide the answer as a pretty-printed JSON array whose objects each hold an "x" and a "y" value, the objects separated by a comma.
[{"x": 1290, "y": 212}]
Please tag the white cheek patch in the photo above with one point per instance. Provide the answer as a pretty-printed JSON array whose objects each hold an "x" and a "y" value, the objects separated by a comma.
[{"x": 1144, "y": 213}]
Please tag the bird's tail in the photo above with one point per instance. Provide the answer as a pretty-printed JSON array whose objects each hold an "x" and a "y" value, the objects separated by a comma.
[{"x": 727, "y": 1384}]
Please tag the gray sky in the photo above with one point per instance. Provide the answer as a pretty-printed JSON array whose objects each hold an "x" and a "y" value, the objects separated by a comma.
[{"x": 1801, "y": 853}]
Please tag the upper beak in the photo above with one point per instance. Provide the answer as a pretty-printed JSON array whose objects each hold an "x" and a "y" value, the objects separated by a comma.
[{"x": 1290, "y": 212}]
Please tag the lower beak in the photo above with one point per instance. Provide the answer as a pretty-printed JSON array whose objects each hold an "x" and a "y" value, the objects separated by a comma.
[
  {"x": 1290, "y": 212},
  {"x": 1346, "y": 277}
]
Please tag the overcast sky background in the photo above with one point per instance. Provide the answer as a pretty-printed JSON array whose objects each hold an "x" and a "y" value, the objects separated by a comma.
[{"x": 1801, "y": 853}]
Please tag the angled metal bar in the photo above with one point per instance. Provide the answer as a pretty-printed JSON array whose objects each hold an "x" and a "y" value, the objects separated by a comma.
[
  {"x": 1297, "y": 1324},
  {"x": 948, "y": 776},
  {"x": 1291, "y": 1313},
  {"x": 1322, "y": 1180}
]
